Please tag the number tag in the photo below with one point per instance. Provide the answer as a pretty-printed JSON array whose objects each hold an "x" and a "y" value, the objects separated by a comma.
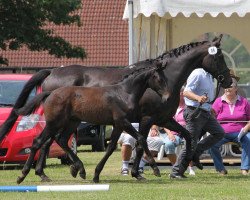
[{"x": 212, "y": 50}]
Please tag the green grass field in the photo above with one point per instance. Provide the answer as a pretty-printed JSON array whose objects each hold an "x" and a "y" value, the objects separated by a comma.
[{"x": 207, "y": 184}]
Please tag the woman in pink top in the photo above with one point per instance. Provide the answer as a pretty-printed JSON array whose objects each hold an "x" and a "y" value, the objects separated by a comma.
[{"x": 233, "y": 112}]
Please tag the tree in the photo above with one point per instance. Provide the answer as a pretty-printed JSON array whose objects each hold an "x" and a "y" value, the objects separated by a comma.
[{"x": 23, "y": 22}]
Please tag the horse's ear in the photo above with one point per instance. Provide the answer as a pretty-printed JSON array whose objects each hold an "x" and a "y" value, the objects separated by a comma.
[
  {"x": 217, "y": 40},
  {"x": 220, "y": 37}
]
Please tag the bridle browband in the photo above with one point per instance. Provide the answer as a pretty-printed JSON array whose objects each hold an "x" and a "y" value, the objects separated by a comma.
[{"x": 219, "y": 76}]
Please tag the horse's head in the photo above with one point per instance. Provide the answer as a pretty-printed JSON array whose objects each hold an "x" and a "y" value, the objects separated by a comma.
[
  {"x": 158, "y": 81},
  {"x": 215, "y": 64}
]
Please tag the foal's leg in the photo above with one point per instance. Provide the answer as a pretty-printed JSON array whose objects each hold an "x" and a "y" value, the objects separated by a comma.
[
  {"x": 143, "y": 142},
  {"x": 110, "y": 149},
  {"x": 41, "y": 162},
  {"x": 62, "y": 139},
  {"x": 145, "y": 126},
  {"x": 138, "y": 156},
  {"x": 37, "y": 143}
]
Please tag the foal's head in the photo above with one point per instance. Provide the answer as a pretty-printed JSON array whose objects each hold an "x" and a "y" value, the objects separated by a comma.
[
  {"x": 148, "y": 74},
  {"x": 158, "y": 81},
  {"x": 215, "y": 64}
]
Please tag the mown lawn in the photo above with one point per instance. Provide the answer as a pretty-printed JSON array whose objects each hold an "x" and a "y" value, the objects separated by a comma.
[{"x": 207, "y": 184}]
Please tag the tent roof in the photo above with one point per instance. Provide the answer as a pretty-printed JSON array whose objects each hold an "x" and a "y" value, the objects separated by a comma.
[{"x": 170, "y": 8}]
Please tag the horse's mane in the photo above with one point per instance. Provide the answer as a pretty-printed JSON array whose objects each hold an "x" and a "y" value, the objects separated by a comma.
[
  {"x": 138, "y": 68},
  {"x": 180, "y": 50}
]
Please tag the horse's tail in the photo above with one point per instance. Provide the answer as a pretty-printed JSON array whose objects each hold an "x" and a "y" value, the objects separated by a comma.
[
  {"x": 33, "y": 104},
  {"x": 35, "y": 80}
]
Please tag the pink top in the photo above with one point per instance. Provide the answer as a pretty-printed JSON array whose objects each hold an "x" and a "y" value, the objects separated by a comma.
[
  {"x": 240, "y": 111},
  {"x": 179, "y": 117}
]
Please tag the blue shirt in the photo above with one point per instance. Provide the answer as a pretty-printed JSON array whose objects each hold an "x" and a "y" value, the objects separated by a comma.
[{"x": 200, "y": 82}]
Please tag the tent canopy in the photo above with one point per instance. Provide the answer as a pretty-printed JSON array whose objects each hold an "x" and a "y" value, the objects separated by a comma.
[
  {"x": 160, "y": 25},
  {"x": 170, "y": 8}
]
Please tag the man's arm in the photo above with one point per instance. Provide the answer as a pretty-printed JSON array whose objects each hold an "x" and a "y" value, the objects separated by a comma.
[{"x": 192, "y": 96}]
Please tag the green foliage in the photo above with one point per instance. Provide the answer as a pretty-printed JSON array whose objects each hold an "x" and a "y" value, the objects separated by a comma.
[{"x": 23, "y": 22}]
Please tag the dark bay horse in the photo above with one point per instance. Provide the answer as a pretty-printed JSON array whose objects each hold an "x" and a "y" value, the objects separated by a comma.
[
  {"x": 66, "y": 107},
  {"x": 181, "y": 61}
]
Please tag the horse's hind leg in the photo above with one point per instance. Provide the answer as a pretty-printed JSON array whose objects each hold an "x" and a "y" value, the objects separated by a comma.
[
  {"x": 37, "y": 143},
  {"x": 41, "y": 162},
  {"x": 62, "y": 140},
  {"x": 110, "y": 149}
]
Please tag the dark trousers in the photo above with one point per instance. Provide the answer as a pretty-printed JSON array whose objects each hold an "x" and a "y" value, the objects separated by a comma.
[{"x": 196, "y": 126}]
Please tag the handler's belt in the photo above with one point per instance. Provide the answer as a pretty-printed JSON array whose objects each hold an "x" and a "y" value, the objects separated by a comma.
[{"x": 196, "y": 111}]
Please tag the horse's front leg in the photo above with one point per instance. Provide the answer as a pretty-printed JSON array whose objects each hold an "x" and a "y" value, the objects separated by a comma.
[
  {"x": 144, "y": 129},
  {"x": 41, "y": 162},
  {"x": 138, "y": 156},
  {"x": 110, "y": 149},
  {"x": 141, "y": 137},
  {"x": 190, "y": 148},
  {"x": 37, "y": 143},
  {"x": 175, "y": 126}
]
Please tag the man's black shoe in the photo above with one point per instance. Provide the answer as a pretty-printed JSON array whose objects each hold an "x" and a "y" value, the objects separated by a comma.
[{"x": 177, "y": 176}]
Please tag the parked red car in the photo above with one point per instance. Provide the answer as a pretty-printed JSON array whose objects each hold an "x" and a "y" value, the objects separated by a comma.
[{"x": 15, "y": 148}]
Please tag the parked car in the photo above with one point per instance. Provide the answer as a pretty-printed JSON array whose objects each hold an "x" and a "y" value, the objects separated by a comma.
[
  {"x": 15, "y": 148},
  {"x": 95, "y": 135}
]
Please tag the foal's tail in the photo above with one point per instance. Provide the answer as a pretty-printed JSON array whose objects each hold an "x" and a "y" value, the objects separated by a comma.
[
  {"x": 33, "y": 104},
  {"x": 35, "y": 80}
]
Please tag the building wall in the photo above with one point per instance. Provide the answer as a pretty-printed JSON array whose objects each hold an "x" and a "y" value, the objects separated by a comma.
[{"x": 185, "y": 30}]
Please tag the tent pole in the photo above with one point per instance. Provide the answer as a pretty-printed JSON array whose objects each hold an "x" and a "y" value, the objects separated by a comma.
[{"x": 131, "y": 31}]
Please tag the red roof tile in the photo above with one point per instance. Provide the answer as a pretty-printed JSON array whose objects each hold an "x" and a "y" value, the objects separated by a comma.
[{"x": 103, "y": 34}]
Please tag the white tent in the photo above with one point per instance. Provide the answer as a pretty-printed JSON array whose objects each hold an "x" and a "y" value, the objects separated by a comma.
[{"x": 160, "y": 25}]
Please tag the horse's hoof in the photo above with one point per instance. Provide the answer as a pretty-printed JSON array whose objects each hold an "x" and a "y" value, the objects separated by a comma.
[
  {"x": 140, "y": 178},
  {"x": 196, "y": 162},
  {"x": 20, "y": 179},
  {"x": 96, "y": 180},
  {"x": 157, "y": 172},
  {"x": 45, "y": 179},
  {"x": 83, "y": 176},
  {"x": 73, "y": 171}
]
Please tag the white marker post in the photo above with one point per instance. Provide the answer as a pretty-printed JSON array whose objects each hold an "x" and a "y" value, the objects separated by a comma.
[{"x": 54, "y": 188}]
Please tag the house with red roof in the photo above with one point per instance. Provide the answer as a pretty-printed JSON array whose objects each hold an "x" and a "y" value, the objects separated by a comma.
[{"x": 103, "y": 35}]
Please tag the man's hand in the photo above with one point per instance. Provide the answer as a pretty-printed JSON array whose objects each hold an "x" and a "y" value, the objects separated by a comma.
[{"x": 202, "y": 99}]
